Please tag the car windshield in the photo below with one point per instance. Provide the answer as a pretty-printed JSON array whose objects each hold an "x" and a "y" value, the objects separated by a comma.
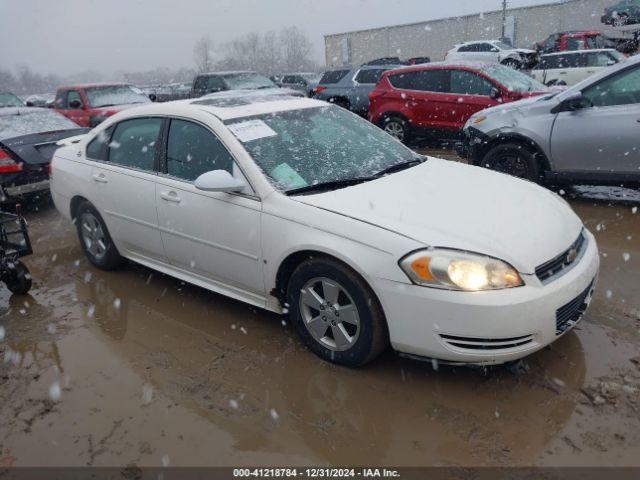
[
  {"x": 502, "y": 45},
  {"x": 299, "y": 148},
  {"x": 10, "y": 100},
  {"x": 115, "y": 95},
  {"x": 312, "y": 77},
  {"x": 514, "y": 80},
  {"x": 33, "y": 121},
  {"x": 247, "y": 81}
]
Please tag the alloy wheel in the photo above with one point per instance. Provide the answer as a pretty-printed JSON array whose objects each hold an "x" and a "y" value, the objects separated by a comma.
[
  {"x": 93, "y": 235},
  {"x": 512, "y": 164},
  {"x": 395, "y": 129},
  {"x": 329, "y": 314}
]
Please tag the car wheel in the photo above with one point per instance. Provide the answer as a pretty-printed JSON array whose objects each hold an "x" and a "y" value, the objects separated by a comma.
[
  {"x": 620, "y": 20},
  {"x": 335, "y": 313},
  {"x": 18, "y": 278},
  {"x": 95, "y": 239},
  {"x": 397, "y": 127},
  {"x": 512, "y": 63},
  {"x": 513, "y": 159}
]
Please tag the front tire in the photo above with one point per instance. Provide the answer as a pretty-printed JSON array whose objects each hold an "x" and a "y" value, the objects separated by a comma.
[
  {"x": 335, "y": 313},
  {"x": 513, "y": 159},
  {"x": 95, "y": 239},
  {"x": 18, "y": 278}
]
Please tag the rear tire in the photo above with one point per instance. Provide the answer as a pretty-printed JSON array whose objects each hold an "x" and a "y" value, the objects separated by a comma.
[
  {"x": 19, "y": 279},
  {"x": 397, "y": 127},
  {"x": 335, "y": 313},
  {"x": 513, "y": 159},
  {"x": 95, "y": 239}
]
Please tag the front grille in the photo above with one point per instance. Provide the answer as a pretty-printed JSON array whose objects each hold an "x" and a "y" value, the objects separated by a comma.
[
  {"x": 475, "y": 344},
  {"x": 571, "y": 313},
  {"x": 556, "y": 265}
]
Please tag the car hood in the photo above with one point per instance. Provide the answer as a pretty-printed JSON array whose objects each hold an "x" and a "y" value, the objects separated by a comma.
[
  {"x": 446, "y": 204},
  {"x": 526, "y": 51}
]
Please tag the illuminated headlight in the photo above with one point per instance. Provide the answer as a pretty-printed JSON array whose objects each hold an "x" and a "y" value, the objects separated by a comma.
[{"x": 458, "y": 270}]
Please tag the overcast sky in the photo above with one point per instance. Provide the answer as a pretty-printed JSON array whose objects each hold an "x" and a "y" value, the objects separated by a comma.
[{"x": 70, "y": 36}]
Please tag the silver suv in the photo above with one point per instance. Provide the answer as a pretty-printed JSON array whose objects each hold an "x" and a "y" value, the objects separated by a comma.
[{"x": 587, "y": 134}]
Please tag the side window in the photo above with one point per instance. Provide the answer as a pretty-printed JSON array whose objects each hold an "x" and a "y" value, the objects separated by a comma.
[
  {"x": 620, "y": 89},
  {"x": 369, "y": 76},
  {"x": 333, "y": 76},
  {"x": 485, "y": 47},
  {"x": 405, "y": 81},
  {"x": 433, "y": 81},
  {"x": 61, "y": 99},
  {"x": 200, "y": 84},
  {"x": 599, "y": 59},
  {"x": 134, "y": 143},
  {"x": 193, "y": 150},
  {"x": 215, "y": 84},
  {"x": 575, "y": 44},
  {"x": 74, "y": 101},
  {"x": 469, "y": 83},
  {"x": 288, "y": 79},
  {"x": 468, "y": 48},
  {"x": 97, "y": 148}
]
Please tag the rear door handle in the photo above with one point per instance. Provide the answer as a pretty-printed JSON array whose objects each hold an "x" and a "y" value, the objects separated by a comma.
[
  {"x": 170, "y": 196},
  {"x": 100, "y": 177}
]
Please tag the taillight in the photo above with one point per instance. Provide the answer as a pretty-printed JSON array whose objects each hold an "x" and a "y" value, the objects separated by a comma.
[
  {"x": 50, "y": 169},
  {"x": 375, "y": 93},
  {"x": 319, "y": 89},
  {"x": 8, "y": 164}
]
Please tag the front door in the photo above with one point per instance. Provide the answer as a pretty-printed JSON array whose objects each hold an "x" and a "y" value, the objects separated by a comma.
[
  {"x": 604, "y": 136},
  {"x": 125, "y": 188},
  {"x": 71, "y": 104},
  {"x": 212, "y": 235}
]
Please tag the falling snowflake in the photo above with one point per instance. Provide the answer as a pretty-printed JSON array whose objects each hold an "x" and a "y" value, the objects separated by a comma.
[{"x": 55, "y": 392}]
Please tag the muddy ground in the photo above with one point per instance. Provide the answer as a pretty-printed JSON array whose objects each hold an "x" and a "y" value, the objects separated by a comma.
[{"x": 133, "y": 367}]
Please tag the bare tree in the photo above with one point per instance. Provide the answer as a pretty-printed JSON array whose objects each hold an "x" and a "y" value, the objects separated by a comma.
[
  {"x": 203, "y": 54},
  {"x": 296, "y": 49}
]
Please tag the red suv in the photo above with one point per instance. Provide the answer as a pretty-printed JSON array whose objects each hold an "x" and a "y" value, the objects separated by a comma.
[
  {"x": 438, "y": 99},
  {"x": 88, "y": 105}
]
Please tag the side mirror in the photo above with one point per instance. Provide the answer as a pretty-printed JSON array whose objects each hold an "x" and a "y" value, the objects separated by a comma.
[
  {"x": 152, "y": 97},
  {"x": 575, "y": 101},
  {"x": 218, "y": 181},
  {"x": 495, "y": 93},
  {"x": 75, "y": 104}
]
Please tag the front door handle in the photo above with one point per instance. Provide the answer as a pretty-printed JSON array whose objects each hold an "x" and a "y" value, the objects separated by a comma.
[
  {"x": 100, "y": 178},
  {"x": 170, "y": 196}
]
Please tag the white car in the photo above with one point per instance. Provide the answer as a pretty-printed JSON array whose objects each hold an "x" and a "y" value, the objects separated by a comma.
[
  {"x": 493, "y": 51},
  {"x": 300, "y": 207},
  {"x": 569, "y": 68}
]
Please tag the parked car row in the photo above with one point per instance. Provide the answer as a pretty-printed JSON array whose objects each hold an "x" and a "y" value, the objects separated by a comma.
[{"x": 571, "y": 67}]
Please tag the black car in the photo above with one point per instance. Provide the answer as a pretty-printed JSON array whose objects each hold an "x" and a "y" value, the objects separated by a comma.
[
  {"x": 28, "y": 137},
  {"x": 625, "y": 12},
  {"x": 214, "y": 82}
]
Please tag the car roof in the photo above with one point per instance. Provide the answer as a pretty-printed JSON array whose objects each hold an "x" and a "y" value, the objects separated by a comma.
[
  {"x": 80, "y": 86},
  {"x": 437, "y": 65},
  {"x": 471, "y": 42},
  {"x": 229, "y": 106},
  {"x": 225, "y": 72},
  {"x": 575, "y": 52}
]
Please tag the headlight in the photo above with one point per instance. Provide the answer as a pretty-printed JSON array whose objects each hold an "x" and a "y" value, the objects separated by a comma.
[
  {"x": 478, "y": 119},
  {"x": 458, "y": 270}
]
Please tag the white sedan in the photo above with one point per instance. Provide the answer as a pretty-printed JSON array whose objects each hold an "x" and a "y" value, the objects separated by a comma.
[{"x": 301, "y": 207}]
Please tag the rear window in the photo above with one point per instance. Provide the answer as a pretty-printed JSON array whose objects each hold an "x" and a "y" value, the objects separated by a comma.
[
  {"x": 33, "y": 121},
  {"x": 333, "y": 76},
  {"x": 370, "y": 76}
]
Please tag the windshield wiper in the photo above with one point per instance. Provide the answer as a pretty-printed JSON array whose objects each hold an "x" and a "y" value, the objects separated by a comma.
[
  {"x": 332, "y": 185},
  {"x": 399, "y": 166}
]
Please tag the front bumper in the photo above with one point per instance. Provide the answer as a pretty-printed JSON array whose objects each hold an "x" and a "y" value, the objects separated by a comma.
[
  {"x": 489, "y": 327},
  {"x": 472, "y": 144}
]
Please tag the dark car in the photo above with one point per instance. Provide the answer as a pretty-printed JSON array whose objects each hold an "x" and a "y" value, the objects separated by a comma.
[
  {"x": 350, "y": 87},
  {"x": 418, "y": 60},
  {"x": 303, "y": 81},
  {"x": 215, "y": 82},
  {"x": 28, "y": 139},
  {"x": 623, "y": 13}
]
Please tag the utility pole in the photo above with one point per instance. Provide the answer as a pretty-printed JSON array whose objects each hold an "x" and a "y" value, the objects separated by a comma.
[{"x": 504, "y": 18}]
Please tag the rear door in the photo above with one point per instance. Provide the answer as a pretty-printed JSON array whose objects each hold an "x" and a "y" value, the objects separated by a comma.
[
  {"x": 365, "y": 81},
  {"x": 212, "y": 235},
  {"x": 124, "y": 166},
  {"x": 602, "y": 139},
  {"x": 429, "y": 98}
]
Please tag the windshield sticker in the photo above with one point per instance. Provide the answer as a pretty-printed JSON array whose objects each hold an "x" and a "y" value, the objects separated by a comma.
[
  {"x": 286, "y": 175},
  {"x": 251, "y": 130}
]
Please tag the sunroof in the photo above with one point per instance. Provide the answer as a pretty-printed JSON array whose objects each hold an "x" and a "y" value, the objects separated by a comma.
[{"x": 242, "y": 100}]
